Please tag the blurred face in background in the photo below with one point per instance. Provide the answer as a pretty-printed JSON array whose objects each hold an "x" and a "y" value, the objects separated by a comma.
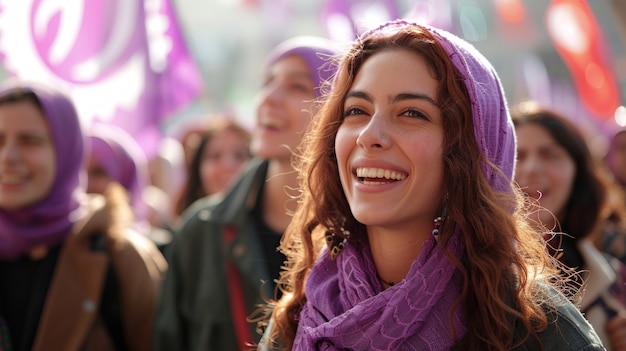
[
  {"x": 223, "y": 158},
  {"x": 97, "y": 177},
  {"x": 545, "y": 170},
  {"x": 283, "y": 109},
  {"x": 27, "y": 155}
]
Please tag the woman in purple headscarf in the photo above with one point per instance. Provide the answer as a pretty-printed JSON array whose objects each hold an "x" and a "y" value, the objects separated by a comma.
[
  {"x": 226, "y": 245},
  {"x": 409, "y": 234},
  {"x": 115, "y": 156},
  {"x": 73, "y": 275}
]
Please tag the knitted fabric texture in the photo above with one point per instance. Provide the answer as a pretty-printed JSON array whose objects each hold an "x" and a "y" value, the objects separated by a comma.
[
  {"x": 49, "y": 221},
  {"x": 346, "y": 307}
]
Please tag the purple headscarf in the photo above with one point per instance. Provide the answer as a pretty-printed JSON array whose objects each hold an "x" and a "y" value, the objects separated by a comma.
[
  {"x": 346, "y": 307},
  {"x": 119, "y": 154},
  {"x": 49, "y": 221},
  {"x": 316, "y": 52}
]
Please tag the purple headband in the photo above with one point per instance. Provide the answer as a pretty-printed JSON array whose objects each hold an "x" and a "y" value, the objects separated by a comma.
[
  {"x": 493, "y": 127},
  {"x": 317, "y": 52},
  {"x": 119, "y": 154},
  {"x": 49, "y": 221}
]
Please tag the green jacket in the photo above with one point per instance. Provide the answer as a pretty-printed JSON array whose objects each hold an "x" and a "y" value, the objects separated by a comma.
[{"x": 194, "y": 308}]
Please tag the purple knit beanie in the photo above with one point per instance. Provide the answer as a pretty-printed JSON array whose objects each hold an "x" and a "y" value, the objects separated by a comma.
[
  {"x": 49, "y": 221},
  {"x": 493, "y": 127},
  {"x": 316, "y": 51}
]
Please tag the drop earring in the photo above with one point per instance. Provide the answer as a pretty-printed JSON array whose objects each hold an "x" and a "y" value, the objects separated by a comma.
[
  {"x": 437, "y": 222},
  {"x": 336, "y": 242}
]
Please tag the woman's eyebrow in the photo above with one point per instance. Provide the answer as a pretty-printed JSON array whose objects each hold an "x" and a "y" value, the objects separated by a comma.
[
  {"x": 413, "y": 96},
  {"x": 360, "y": 95},
  {"x": 392, "y": 99}
]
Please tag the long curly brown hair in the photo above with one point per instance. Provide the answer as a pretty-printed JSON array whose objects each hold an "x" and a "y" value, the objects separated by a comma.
[{"x": 503, "y": 255}]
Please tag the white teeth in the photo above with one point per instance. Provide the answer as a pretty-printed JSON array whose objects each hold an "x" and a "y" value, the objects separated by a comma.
[{"x": 379, "y": 173}]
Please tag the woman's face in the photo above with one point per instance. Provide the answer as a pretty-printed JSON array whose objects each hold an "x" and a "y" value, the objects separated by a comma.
[
  {"x": 98, "y": 179},
  {"x": 283, "y": 109},
  {"x": 27, "y": 157},
  {"x": 390, "y": 144},
  {"x": 223, "y": 158},
  {"x": 545, "y": 171}
]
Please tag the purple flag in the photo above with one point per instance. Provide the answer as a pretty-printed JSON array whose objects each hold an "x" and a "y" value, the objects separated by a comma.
[
  {"x": 123, "y": 61},
  {"x": 344, "y": 20},
  {"x": 437, "y": 13}
]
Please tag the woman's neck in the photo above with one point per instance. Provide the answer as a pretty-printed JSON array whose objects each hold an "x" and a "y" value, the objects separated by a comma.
[{"x": 394, "y": 252}]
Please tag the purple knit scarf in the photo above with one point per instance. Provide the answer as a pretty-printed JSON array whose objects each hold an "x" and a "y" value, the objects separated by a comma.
[{"x": 346, "y": 308}]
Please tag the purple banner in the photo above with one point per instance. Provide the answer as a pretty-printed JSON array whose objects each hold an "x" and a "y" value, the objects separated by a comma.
[
  {"x": 123, "y": 61},
  {"x": 344, "y": 20}
]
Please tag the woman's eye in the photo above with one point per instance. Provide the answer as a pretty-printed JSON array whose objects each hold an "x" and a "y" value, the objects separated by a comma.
[
  {"x": 554, "y": 156},
  {"x": 415, "y": 114},
  {"x": 301, "y": 88},
  {"x": 32, "y": 140},
  {"x": 353, "y": 111}
]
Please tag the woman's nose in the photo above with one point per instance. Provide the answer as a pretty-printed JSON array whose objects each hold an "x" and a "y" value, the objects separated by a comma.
[
  {"x": 9, "y": 152},
  {"x": 374, "y": 134}
]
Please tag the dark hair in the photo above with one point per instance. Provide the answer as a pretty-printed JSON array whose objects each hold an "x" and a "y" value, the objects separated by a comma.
[
  {"x": 193, "y": 189},
  {"x": 587, "y": 203},
  {"x": 20, "y": 95}
]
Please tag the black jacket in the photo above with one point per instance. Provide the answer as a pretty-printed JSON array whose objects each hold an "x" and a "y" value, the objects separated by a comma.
[{"x": 194, "y": 309}]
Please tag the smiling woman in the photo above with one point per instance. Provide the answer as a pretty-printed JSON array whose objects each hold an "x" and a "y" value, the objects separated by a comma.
[
  {"x": 391, "y": 125},
  {"x": 27, "y": 150},
  {"x": 224, "y": 259},
  {"x": 64, "y": 254},
  {"x": 409, "y": 233}
]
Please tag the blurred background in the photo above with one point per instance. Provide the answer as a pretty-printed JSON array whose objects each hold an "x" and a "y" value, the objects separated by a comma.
[{"x": 568, "y": 54}]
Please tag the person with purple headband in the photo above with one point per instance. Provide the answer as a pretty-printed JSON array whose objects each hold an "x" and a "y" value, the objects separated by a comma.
[
  {"x": 224, "y": 259},
  {"x": 410, "y": 234},
  {"x": 73, "y": 274}
]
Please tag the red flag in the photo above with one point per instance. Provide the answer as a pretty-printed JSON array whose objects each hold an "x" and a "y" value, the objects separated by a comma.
[
  {"x": 579, "y": 40},
  {"x": 514, "y": 23}
]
